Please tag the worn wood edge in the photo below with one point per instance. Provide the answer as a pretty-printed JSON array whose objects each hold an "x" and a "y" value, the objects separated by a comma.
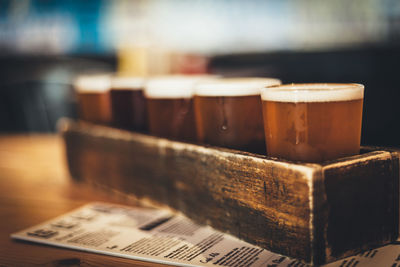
[
  {"x": 396, "y": 174},
  {"x": 66, "y": 125},
  {"x": 357, "y": 159},
  {"x": 322, "y": 252},
  {"x": 317, "y": 198},
  {"x": 376, "y": 153},
  {"x": 395, "y": 152},
  {"x": 353, "y": 161}
]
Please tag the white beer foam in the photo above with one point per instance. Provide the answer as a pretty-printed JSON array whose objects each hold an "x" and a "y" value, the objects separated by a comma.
[
  {"x": 174, "y": 86},
  {"x": 234, "y": 86},
  {"x": 92, "y": 83},
  {"x": 127, "y": 82},
  {"x": 313, "y": 92}
]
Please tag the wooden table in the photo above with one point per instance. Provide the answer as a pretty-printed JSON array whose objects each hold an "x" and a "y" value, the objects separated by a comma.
[{"x": 35, "y": 187}]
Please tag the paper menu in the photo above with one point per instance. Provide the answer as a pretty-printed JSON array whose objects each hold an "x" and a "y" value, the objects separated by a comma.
[{"x": 160, "y": 236}]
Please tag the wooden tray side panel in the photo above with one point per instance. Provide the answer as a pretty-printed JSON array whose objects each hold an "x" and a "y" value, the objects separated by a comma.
[
  {"x": 319, "y": 222},
  {"x": 362, "y": 203},
  {"x": 254, "y": 199},
  {"x": 317, "y": 213},
  {"x": 244, "y": 197}
]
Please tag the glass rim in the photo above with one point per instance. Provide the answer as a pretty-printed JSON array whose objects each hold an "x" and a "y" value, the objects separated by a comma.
[
  {"x": 313, "y": 92},
  {"x": 125, "y": 82},
  {"x": 316, "y": 86},
  {"x": 234, "y": 86},
  {"x": 92, "y": 83}
]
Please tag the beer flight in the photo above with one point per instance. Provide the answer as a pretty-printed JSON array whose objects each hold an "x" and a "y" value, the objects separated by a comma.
[{"x": 311, "y": 122}]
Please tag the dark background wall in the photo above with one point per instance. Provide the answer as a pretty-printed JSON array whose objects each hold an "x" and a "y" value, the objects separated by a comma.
[{"x": 35, "y": 91}]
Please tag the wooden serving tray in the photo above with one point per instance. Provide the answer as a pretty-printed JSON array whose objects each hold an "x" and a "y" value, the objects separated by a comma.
[{"x": 318, "y": 213}]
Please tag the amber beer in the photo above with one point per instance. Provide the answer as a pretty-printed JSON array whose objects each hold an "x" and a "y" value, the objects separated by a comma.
[
  {"x": 313, "y": 122},
  {"x": 170, "y": 107},
  {"x": 93, "y": 98},
  {"x": 229, "y": 113},
  {"x": 128, "y": 103}
]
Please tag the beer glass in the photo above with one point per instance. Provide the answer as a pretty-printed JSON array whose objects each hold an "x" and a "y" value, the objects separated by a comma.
[
  {"x": 313, "y": 122},
  {"x": 93, "y": 98},
  {"x": 229, "y": 113},
  {"x": 170, "y": 106},
  {"x": 128, "y": 103}
]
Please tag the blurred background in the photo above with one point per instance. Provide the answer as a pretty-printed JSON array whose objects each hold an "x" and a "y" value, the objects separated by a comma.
[{"x": 44, "y": 44}]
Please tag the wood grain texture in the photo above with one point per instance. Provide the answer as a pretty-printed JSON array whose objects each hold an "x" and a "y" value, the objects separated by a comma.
[
  {"x": 35, "y": 187},
  {"x": 361, "y": 204},
  {"x": 315, "y": 212}
]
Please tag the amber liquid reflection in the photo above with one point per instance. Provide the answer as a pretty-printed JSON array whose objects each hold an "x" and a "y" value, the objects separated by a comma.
[
  {"x": 95, "y": 107},
  {"x": 231, "y": 121},
  {"x": 129, "y": 109},
  {"x": 172, "y": 118},
  {"x": 312, "y": 131}
]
